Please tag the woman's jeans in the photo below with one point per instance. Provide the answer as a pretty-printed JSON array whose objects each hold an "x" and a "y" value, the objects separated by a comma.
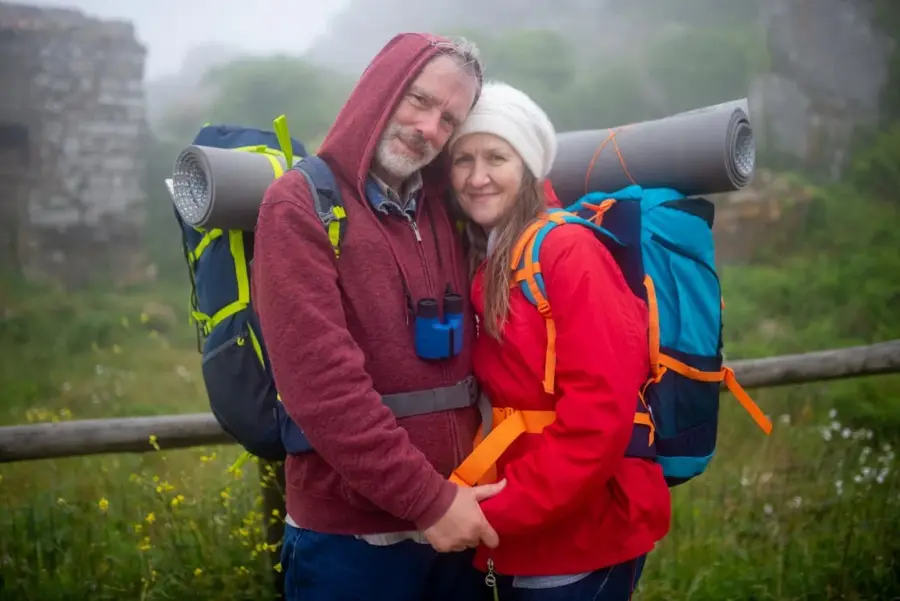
[
  {"x": 331, "y": 567},
  {"x": 615, "y": 583}
]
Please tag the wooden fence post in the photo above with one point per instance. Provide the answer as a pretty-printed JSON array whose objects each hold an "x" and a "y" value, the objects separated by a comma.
[{"x": 272, "y": 483}]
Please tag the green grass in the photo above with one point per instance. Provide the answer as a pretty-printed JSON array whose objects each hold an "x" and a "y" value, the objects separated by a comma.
[{"x": 811, "y": 512}]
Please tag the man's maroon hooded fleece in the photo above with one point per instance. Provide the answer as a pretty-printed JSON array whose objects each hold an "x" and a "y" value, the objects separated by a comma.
[{"x": 338, "y": 334}]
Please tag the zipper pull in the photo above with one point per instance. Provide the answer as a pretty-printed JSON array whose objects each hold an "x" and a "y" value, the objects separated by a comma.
[
  {"x": 491, "y": 579},
  {"x": 415, "y": 229}
]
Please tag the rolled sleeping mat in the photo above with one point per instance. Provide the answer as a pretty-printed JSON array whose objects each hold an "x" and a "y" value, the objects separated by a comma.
[
  {"x": 222, "y": 188},
  {"x": 704, "y": 151}
]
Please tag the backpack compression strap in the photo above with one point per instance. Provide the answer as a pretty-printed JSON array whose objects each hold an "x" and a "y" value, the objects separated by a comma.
[{"x": 661, "y": 362}]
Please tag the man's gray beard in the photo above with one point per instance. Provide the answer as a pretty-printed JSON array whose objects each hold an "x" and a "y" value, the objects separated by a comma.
[{"x": 400, "y": 165}]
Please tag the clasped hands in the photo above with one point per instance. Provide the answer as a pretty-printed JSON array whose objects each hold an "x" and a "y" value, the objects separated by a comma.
[{"x": 464, "y": 526}]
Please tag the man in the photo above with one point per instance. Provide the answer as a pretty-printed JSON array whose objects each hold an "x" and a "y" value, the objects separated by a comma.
[{"x": 340, "y": 334}]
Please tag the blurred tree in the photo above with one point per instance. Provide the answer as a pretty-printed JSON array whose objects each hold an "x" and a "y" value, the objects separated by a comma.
[
  {"x": 252, "y": 91},
  {"x": 704, "y": 66}
]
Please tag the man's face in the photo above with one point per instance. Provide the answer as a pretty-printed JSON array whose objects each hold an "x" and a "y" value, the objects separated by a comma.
[{"x": 435, "y": 103}]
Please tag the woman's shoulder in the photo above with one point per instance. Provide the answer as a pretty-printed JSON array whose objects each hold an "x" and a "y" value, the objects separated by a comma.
[{"x": 572, "y": 240}]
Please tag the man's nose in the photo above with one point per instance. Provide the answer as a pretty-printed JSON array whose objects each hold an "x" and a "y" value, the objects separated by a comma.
[{"x": 430, "y": 126}]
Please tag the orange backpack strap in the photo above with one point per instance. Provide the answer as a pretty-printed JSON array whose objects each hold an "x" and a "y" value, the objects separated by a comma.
[{"x": 525, "y": 264}]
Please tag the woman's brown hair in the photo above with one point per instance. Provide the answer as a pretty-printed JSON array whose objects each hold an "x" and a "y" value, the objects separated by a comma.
[{"x": 529, "y": 203}]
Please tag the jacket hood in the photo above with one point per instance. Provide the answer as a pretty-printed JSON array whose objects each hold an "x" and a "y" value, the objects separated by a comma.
[{"x": 350, "y": 143}]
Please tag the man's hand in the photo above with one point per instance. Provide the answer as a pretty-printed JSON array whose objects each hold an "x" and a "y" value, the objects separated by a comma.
[{"x": 464, "y": 525}]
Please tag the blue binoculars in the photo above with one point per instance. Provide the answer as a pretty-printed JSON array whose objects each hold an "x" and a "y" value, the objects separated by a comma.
[{"x": 437, "y": 339}]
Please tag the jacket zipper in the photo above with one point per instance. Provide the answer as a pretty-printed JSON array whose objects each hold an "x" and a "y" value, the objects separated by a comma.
[
  {"x": 445, "y": 371},
  {"x": 421, "y": 250}
]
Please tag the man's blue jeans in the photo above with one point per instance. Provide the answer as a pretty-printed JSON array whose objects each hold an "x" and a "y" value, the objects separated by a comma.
[{"x": 330, "y": 567}]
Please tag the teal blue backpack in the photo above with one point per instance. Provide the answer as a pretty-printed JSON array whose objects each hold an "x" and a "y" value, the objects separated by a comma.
[{"x": 663, "y": 243}]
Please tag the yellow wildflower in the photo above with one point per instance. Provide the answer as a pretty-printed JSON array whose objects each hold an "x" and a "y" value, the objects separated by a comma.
[
  {"x": 103, "y": 504},
  {"x": 153, "y": 442},
  {"x": 198, "y": 572},
  {"x": 151, "y": 517}
]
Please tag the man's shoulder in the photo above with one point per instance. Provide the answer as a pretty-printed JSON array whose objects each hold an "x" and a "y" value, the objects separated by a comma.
[{"x": 289, "y": 197}]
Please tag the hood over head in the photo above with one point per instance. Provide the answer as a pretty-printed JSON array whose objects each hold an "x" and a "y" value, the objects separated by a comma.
[{"x": 350, "y": 144}]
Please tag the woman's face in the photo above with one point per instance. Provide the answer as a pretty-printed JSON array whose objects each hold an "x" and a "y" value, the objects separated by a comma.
[{"x": 486, "y": 174}]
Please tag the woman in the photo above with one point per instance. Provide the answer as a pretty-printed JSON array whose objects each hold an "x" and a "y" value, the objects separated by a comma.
[{"x": 577, "y": 517}]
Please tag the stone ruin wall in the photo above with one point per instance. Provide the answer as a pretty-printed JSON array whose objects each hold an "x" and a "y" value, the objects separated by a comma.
[
  {"x": 829, "y": 68},
  {"x": 75, "y": 85}
]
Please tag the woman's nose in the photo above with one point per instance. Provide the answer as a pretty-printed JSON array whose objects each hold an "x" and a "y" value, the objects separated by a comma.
[{"x": 480, "y": 176}]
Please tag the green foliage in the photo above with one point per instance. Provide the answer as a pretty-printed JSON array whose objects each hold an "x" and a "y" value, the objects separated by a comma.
[
  {"x": 253, "y": 91},
  {"x": 731, "y": 57},
  {"x": 834, "y": 286},
  {"x": 876, "y": 169},
  {"x": 684, "y": 69}
]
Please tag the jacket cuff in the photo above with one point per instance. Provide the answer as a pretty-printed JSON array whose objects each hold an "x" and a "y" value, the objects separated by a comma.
[{"x": 433, "y": 504}]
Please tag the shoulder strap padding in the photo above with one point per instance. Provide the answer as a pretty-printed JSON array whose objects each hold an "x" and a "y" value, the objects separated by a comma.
[
  {"x": 525, "y": 261},
  {"x": 327, "y": 199}
]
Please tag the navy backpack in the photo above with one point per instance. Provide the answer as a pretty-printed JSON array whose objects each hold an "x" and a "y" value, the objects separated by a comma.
[{"x": 236, "y": 370}]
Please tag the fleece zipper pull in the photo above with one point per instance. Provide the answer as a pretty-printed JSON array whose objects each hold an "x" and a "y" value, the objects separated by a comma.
[
  {"x": 415, "y": 229},
  {"x": 491, "y": 579}
]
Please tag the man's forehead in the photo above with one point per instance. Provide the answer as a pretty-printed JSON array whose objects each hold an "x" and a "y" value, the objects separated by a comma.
[{"x": 446, "y": 82}]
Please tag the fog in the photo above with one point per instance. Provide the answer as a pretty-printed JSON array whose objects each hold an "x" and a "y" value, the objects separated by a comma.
[{"x": 171, "y": 28}]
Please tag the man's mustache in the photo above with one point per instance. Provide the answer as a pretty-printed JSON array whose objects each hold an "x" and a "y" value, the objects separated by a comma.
[{"x": 415, "y": 140}]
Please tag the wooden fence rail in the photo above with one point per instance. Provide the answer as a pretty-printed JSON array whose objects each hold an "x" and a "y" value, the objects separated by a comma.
[{"x": 132, "y": 434}]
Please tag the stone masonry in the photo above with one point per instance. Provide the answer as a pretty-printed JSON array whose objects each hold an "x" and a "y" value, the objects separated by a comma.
[{"x": 71, "y": 130}]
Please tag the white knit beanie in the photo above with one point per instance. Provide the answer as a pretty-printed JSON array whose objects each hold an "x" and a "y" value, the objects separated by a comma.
[{"x": 511, "y": 114}]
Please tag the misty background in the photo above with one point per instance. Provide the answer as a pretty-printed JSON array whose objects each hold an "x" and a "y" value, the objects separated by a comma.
[{"x": 98, "y": 97}]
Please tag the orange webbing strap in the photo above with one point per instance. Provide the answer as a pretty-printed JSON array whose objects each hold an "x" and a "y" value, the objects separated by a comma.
[
  {"x": 508, "y": 426},
  {"x": 653, "y": 308},
  {"x": 599, "y": 210},
  {"x": 644, "y": 419},
  {"x": 615, "y": 143},
  {"x": 543, "y": 307},
  {"x": 526, "y": 237},
  {"x": 726, "y": 374},
  {"x": 480, "y": 466},
  {"x": 524, "y": 251}
]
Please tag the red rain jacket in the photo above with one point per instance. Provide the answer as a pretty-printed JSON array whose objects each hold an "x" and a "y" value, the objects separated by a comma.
[{"x": 573, "y": 502}]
